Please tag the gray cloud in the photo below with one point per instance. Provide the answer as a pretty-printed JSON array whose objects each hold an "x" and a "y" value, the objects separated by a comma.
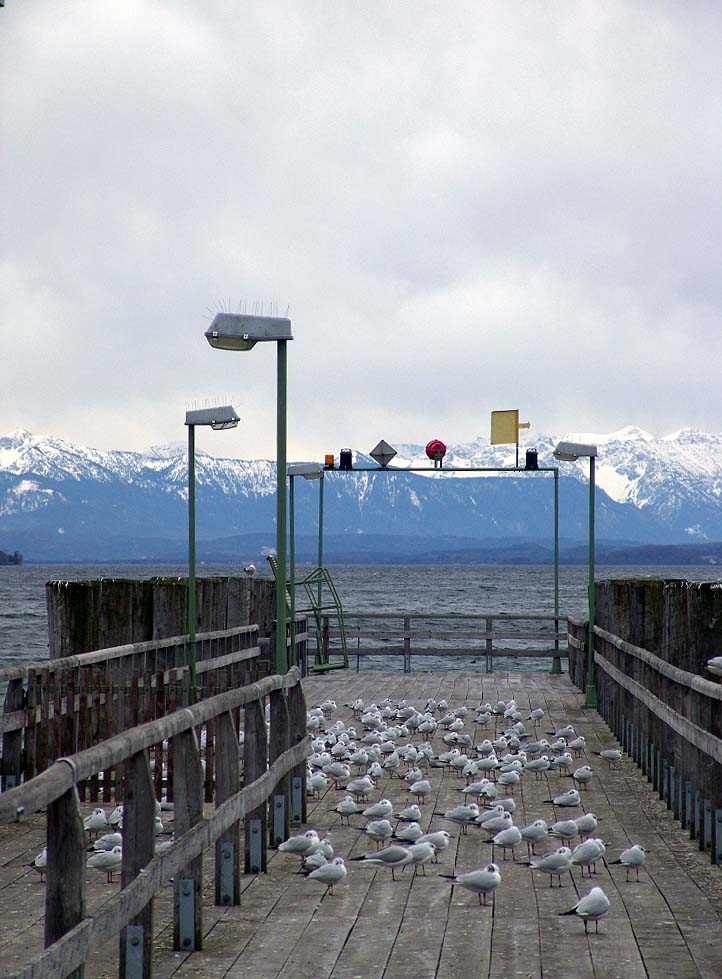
[{"x": 467, "y": 207}]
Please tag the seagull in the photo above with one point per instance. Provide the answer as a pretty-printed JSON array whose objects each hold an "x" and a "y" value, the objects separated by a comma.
[
  {"x": 420, "y": 854},
  {"x": 421, "y": 789},
  {"x": 346, "y": 809},
  {"x": 714, "y": 665},
  {"x": 577, "y": 745},
  {"x": 360, "y": 787},
  {"x": 330, "y": 873},
  {"x": 612, "y": 755},
  {"x": 379, "y": 810},
  {"x": 533, "y": 833},
  {"x": 565, "y": 829},
  {"x": 587, "y": 853},
  {"x": 506, "y": 839},
  {"x": 586, "y": 824},
  {"x": 633, "y": 856},
  {"x": 461, "y": 815},
  {"x": 116, "y": 816},
  {"x": 582, "y": 776},
  {"x": 440, "y": 838},
  {"x": 40, "y": 863},
  {"x": 107, "y": 861},
  {"x": 566, "y": 799},
  {"x": 409, "y": 833},
  {"x": 591, "y": 907},
  {"x": 300, "y": 844},
  {"x": 389, "y": 856},
  {"x": 410, "y": 814},
  {"x": 379, "y": 830},
  {"x": 555, "y": 864},
  {"x": 96, "y": 821},
  {"x": 108, "y": 841},
  {"x": 481, "y": 882}
]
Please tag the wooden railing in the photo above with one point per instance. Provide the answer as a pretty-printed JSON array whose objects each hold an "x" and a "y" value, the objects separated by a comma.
[
  {"x": 57, "y": 707},
  {"x": 274, "y": 767},
  {"x": 667, "y": 719},
  {"x": 420, "y": 634}
]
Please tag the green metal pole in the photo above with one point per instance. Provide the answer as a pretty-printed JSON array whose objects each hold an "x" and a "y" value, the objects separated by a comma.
[
  {"x": 556, "y": 662},
  {"x": 292, "y": 561},
  {"x": 192, "y": 560},
  {"x": 281, "y": 657},
  {"x": 591, "y": 699},
  {"x": 319, "y": 559}
]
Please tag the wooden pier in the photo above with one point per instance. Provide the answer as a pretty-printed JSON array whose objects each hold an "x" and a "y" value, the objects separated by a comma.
[{"x": 419, "y": 927}]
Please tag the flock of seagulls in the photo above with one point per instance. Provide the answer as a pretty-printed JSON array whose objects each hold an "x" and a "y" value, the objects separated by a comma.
[
  {"x": 106, "y": 850},
  {"x": 491, "y": 750}
]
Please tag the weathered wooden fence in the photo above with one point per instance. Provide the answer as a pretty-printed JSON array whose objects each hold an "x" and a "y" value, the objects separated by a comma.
[
  {"x": 274, "y": 772},
  {"x": 667, "y": 719},
  {"x": 85, "y": 615},
  {"x": 410, "y": 634},
  {"x": 57, "y": 707}
]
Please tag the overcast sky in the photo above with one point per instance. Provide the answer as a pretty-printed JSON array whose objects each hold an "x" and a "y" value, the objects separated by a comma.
[{"x": 467, "y": 206}]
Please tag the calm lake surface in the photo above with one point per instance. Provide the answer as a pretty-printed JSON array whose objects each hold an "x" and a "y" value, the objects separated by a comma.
[{"x": 412, "y": 588}]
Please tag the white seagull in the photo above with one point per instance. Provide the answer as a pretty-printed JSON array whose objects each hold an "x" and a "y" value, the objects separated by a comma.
[
  {"x": 481, "y": 882},
  {"x": 591, "y": 907}
]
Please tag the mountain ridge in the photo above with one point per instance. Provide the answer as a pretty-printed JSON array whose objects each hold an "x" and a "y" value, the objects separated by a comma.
[{"x": 650, "y": 491}]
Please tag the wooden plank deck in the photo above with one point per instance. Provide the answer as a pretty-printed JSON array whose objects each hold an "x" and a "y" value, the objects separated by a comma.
[{"x": 667, "y": 925}]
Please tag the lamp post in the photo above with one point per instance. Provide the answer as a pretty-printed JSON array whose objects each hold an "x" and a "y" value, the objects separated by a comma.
[
  {"x": 309, "y": 470},
  {"x": 570, "y": 452},
  {"x": 240, "y": 332},
  {"x": 219, "y": 418}
]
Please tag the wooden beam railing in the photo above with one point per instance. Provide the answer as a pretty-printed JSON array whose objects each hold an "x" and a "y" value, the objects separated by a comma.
[
  {"x": 58, "y": 707},
  {"x": 69, "y": 936},
  {"x": 667, "y": 719},
  {"x": 443, "y": 634}
]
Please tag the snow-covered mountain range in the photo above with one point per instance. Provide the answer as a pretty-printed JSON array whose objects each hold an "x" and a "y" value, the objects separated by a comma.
[{"x": 59, "y": 499}]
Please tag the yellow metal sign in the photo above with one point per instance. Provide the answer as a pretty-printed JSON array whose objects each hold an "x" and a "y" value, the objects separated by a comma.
[{"x": 505, "y": 427}]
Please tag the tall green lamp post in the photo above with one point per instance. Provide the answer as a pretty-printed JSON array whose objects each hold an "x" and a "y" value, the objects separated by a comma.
[
  {"x": 571, "y": 452},
  {"x": 309, "y": 470},
  {"x": 218, "y": 418},
  {"x": 240, "y": 332}
]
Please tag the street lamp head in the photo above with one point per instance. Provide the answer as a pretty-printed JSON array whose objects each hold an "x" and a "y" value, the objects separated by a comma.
[
  {"x": 239, "y": 331},
  {"x": 571, "y": 451},
  {"x": 309, "y": 470},
  {"x": 218, "y": 418}
]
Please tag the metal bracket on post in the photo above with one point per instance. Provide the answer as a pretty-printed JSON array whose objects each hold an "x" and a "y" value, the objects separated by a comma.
[
  {"x": 134, "y": 952},
  {"x": 707, "y": 836},
  {"x": 279, "y": 819},
  {"x": 9, "y": 782},
  {"x": 255, "y": 845},
  {"x": 226, "y": 882},
  {"x": 186, "y": 916},
  {"x": 296, "y": 800}
]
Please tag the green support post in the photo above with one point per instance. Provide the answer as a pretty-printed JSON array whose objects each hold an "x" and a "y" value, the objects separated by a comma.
[
  {"x": 192, "y": 561},
  {"x": 591, "y": 698},
  {"x": 281, "y": 503}
]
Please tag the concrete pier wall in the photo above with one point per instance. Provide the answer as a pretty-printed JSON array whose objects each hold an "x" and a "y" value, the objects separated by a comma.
[{"x": 105, "y": 612}]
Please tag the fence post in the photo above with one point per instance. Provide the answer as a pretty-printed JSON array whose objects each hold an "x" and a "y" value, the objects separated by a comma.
[
  {"x": 65, "y": 893},
  {"x": 278, "y": 743},
  {"x": 12, "y": 755},
  {"x": 297, "y": 732},
  {"x": 255, "y": 750},
  {"x": 407, "y": 644},
  {"x": 489, "y": 646},
  {"x": 138, "y": 850},
  {"x": 187, "y": 811},
  {"x": 228, "y": 782}
]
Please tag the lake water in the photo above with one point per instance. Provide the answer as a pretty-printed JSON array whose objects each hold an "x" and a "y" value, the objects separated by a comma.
[{"x": 411, "y": 588}]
